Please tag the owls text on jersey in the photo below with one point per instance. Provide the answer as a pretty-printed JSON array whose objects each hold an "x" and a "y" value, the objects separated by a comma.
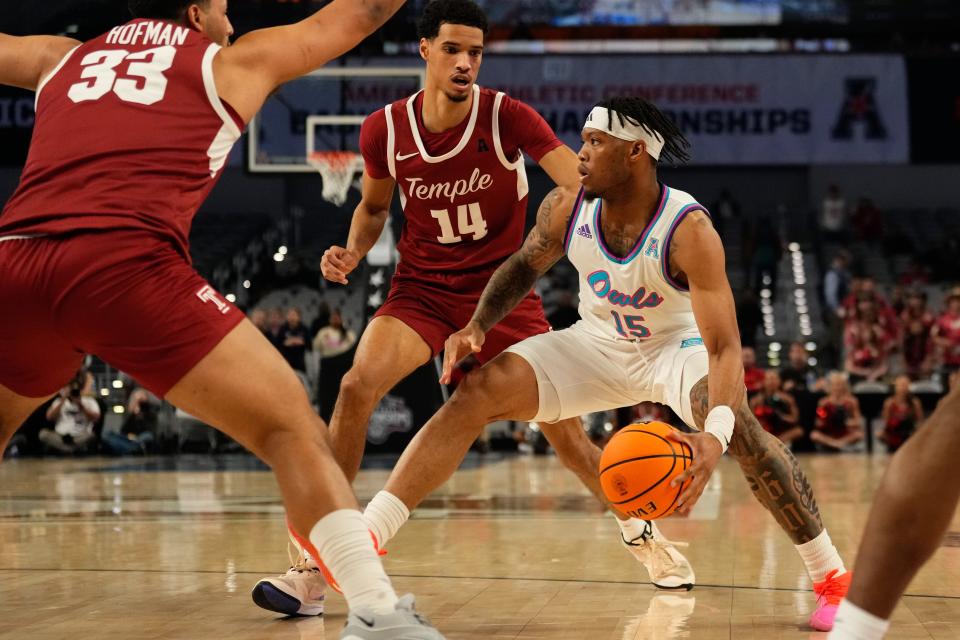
[{"x": 635, "y": 297}]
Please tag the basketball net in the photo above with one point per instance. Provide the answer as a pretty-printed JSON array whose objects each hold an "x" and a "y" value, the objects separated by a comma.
[{"x": 337, "y": 169}]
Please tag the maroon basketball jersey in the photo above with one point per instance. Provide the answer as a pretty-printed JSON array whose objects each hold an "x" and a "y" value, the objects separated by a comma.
[
  {"x": 130, "y": 133},
  {"x": 464, "y": 209}
]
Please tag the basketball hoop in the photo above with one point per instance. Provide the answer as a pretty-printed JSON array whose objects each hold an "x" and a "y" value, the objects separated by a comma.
[{"x": 337, "y": 169}]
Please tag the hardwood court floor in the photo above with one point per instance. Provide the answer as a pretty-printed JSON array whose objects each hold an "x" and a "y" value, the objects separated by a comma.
[{"x": 510, "y": 548}]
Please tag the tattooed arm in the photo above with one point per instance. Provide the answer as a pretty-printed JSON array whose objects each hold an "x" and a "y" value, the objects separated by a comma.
[
  {"x": 512, "y": 281},
  {"x": 541, "y": 250}
]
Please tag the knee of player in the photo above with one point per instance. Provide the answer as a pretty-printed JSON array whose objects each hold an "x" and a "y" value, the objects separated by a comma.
[
  {"x": 474, "y": 394},
  {"x": 284, "y": 440},
  {"x": 358, "y": 384}
]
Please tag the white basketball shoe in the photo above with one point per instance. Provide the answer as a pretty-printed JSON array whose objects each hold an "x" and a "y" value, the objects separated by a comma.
[
  {"x": 668, "y": 568},
  {"x": 298, "y": 592},
  {"x": 404, "y": 623}
]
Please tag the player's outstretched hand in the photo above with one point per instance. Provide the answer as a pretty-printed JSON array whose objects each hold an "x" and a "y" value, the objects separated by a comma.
[
  {"x": 337, "y": 263},
  {"x": 458, "y": 346},
  {"x": 706, "y": 453}
]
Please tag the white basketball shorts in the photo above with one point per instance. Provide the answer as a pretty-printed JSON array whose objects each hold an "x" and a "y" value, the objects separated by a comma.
[{"x": 580, "y": 372}]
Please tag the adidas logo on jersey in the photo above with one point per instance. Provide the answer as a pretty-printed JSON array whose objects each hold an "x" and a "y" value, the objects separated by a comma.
[{"x": 585, "y": 232}]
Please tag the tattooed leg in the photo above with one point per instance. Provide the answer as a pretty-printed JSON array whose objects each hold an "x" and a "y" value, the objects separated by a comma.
[{"x": 771, "y": 470}]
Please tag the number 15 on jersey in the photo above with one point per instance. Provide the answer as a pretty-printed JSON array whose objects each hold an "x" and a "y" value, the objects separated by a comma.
[{"x": 469, "y": 220}]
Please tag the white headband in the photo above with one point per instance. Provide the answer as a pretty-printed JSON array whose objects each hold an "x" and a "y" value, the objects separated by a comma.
[{"x": 609, "y": 121}]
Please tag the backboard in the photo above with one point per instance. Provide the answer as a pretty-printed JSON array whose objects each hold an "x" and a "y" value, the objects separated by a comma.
[{"x": 321, "y": 112}]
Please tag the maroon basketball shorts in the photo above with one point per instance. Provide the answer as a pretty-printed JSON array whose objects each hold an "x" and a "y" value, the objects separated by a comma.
[
  {"x": 439, "y": 306},
  {"x": 126, "y": 296}
]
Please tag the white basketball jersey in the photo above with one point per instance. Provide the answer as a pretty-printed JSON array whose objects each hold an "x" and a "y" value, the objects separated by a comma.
[{"x": 631, "y": 298}]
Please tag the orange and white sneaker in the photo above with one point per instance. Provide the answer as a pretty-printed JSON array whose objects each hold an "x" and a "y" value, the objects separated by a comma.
[
  {"x": 306, "y": 548},
  {"x": 298, "y": 592},
  {"x": 829, "y": 594}
]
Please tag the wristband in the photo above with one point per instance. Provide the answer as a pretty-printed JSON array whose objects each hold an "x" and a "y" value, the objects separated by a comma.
[{"x": 719, "y": 424}]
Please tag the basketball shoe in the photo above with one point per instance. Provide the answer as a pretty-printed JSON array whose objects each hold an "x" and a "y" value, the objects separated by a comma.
[
  {"x": 668, "y": 568},
  {"x": 403, "y": 624},
  {"x": 298, "y": 592},
  {"x": 829, "y": 594}
]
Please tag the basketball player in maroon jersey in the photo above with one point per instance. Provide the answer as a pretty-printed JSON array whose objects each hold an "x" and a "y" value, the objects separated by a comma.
[
  {"x": 455, "y": 153},
  {"x": 911, "y": 514},
  {"x": 132, "y": 131}
]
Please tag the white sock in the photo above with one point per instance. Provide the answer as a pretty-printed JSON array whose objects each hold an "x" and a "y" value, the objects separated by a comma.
[
  {"x": 821, "y": 557},
  {"x": 853, "y": 623},
  {"x": 385, "y": 514},
  {"x": 633, "y": 528},
  {"x": 343, "y": 542}
]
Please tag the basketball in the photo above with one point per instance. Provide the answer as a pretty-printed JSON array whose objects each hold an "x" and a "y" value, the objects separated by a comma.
[{"x": 636, "y": 469}]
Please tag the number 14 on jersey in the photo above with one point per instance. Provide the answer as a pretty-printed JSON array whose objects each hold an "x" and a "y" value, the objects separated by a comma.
[{"x": 469, "y": 221}]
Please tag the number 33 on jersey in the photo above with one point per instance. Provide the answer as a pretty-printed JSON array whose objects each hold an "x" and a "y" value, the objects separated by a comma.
[{"x": 150, "y": 84}]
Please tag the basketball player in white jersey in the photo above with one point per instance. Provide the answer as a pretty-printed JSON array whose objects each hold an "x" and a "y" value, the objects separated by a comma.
[
  {"x": 658, "y": 324},
  {"x": 452, "y": 149}
]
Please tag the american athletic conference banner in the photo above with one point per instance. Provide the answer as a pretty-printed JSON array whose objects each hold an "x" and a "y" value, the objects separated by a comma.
[{"x": 734, "y": 109}]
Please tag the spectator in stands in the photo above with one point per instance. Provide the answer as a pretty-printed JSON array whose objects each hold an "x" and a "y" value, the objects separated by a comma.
[
  {"x": 946, "y": 333},
  {"x": 839, "y": 423},
  {"x": 776, "y": 410},
  {"x": 867, "y": 343},
  {"x": 752, "y": 374},
  {"x": 833, "y": 216},
  {"x": 334, "y": 339},
  {"x": 902, "y": 414},
  {"x": 749, "y": 317},
  {"x": 916, "y": 325},
  {"x": 295, "y": 341},
  {"x": 322, "y": 319},
  {"x": 259, "y": 319},
  {"x": 867, "y": 222},
  {"x": 865, "y": 288},
  {"x": 803, "y": 381},
  {"x": 74, "y": 414},
  {"x": 898, "y": 299},
  {"x": 837, "y": 283},
  {"x": 916, "y": 274},
  {"x": 137, "y": 434},
  {"x": 798, "y": 375},
  {"x": 275, "y": 327}
]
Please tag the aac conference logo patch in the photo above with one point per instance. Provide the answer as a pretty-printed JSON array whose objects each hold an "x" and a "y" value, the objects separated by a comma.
[{"x": 860, "y": 108}]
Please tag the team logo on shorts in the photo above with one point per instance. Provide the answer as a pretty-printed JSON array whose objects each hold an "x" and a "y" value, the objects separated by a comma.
[{"x": 209, "y": 294}]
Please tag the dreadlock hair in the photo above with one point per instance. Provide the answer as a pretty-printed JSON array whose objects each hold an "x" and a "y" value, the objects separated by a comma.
[
  {"x": 440, "y": 12},
  {"x": 162, "y": 9},
  {"x": 639, "y": 112}
]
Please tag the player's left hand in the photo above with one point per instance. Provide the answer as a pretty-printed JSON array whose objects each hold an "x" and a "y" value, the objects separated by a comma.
[
  {"x": 458, "y": 346},
  {"x": 706, "y": 454}
]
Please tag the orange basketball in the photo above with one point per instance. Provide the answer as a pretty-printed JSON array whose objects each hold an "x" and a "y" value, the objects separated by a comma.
[{"x": 636, "y": 468}]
